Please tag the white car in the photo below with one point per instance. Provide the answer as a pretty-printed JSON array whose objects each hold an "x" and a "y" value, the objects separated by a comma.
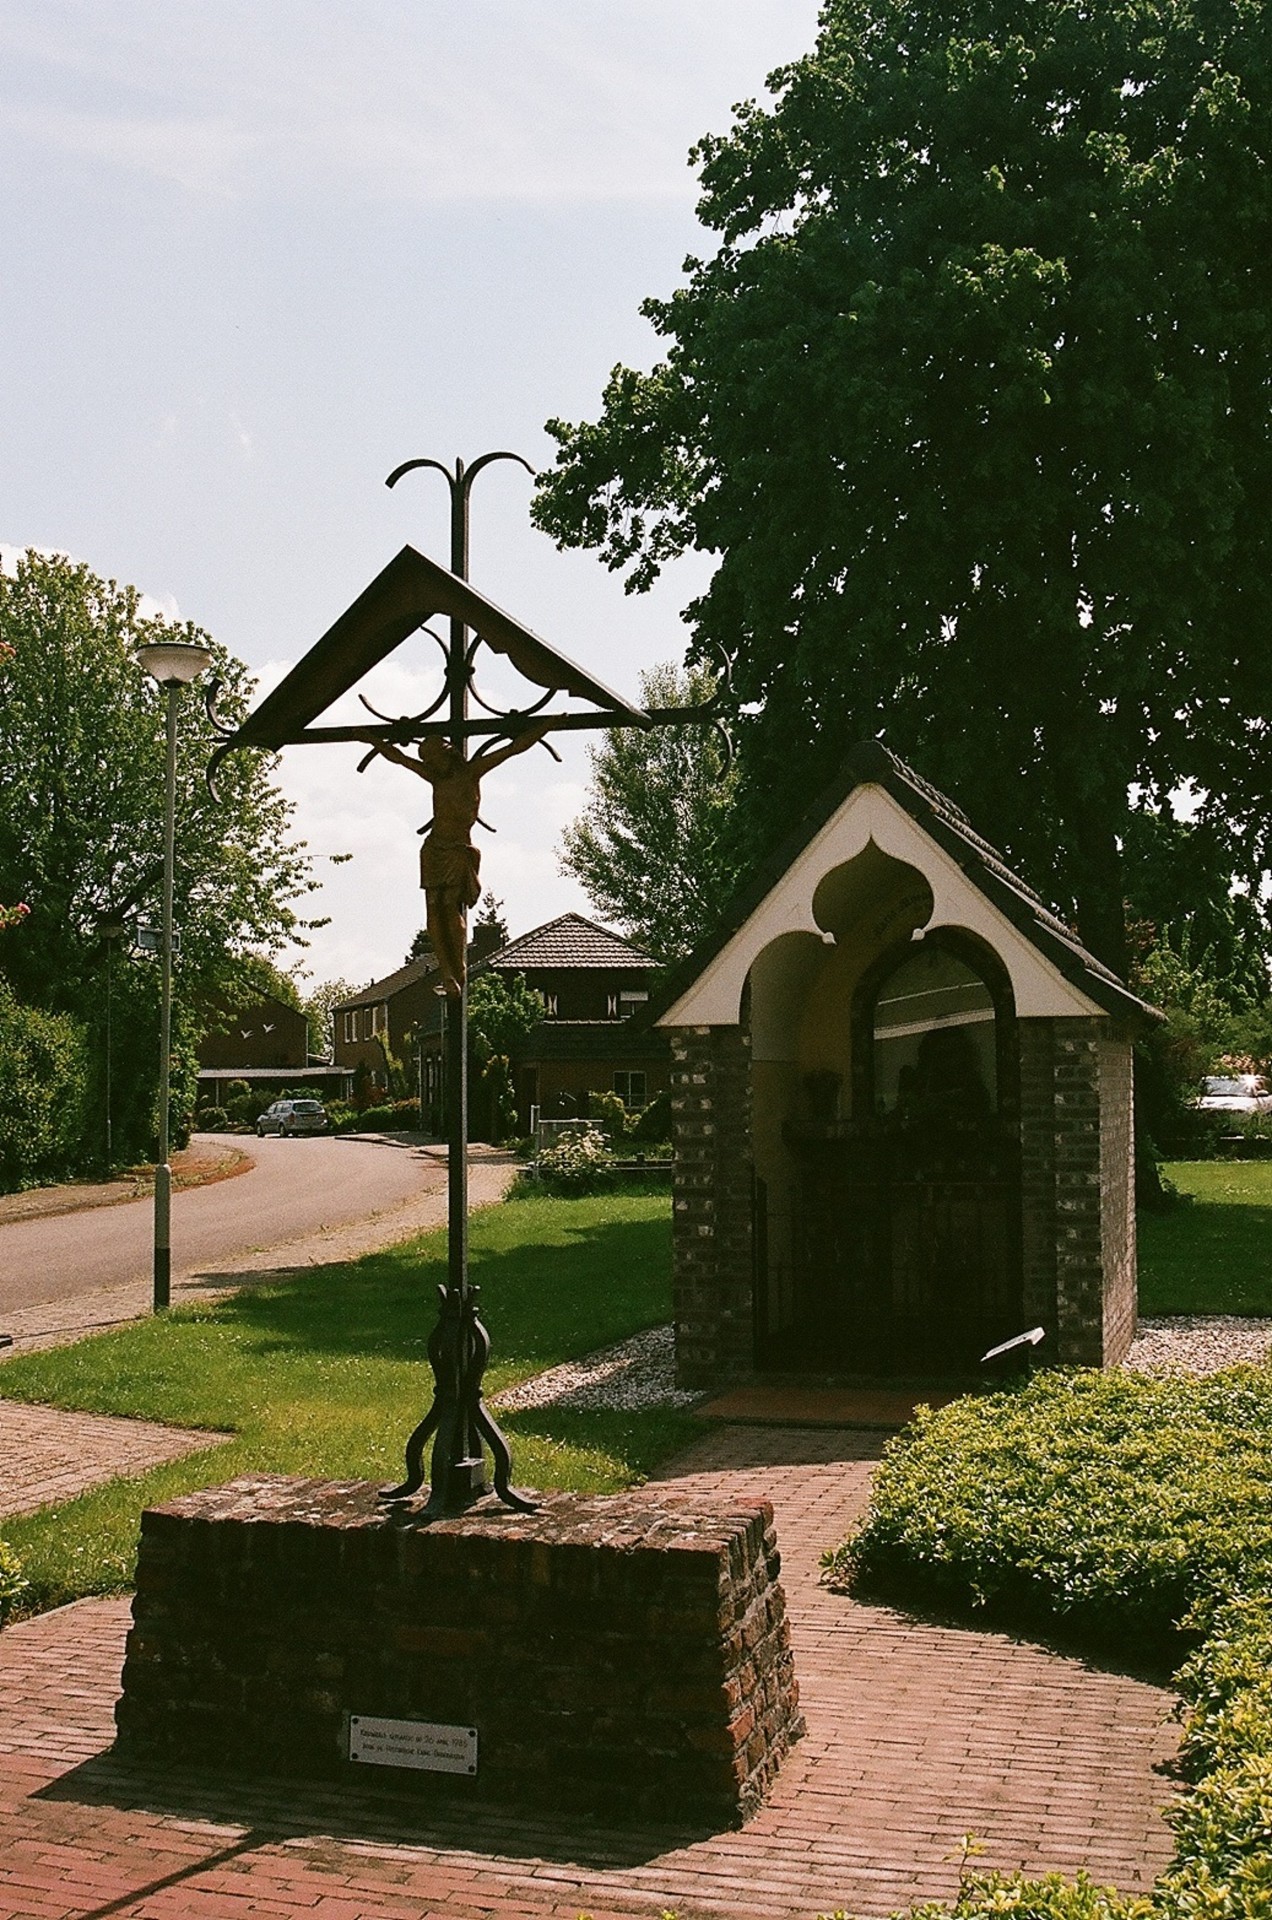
[
  {"x": 1234, "y": 1093},
  {"x": 287, "y": 1118}
]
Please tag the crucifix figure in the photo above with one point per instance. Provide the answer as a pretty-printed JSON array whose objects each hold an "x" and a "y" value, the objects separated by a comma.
[{"x": 449, "y": 862}]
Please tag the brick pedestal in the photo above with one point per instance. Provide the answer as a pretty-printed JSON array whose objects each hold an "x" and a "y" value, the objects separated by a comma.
[{"x": 625, "y": 1654}]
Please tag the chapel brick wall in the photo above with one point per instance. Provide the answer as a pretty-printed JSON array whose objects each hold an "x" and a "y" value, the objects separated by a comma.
[
  {"x": 1038, "y": 1177},
  {"x": 713, "y": 1216},
  {"x": 1117, "y": 1191},
  {"x": 1077, "y": 1178}
]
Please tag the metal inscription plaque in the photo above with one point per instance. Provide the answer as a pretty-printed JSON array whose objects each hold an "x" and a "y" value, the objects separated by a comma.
[{"x": 412, "y": 1743}]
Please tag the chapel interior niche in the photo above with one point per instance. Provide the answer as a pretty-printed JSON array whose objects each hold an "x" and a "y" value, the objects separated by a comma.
[{"x": 886, "y": 1149}]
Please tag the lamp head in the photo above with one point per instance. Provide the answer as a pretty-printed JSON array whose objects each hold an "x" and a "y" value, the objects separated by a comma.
[{"x": 174, "y": 663}]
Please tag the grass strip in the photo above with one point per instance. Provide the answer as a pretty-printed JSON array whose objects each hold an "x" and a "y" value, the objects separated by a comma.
[
  {"x": 1214, "y": 1253},
  {"x": 325, "y": 1373}
]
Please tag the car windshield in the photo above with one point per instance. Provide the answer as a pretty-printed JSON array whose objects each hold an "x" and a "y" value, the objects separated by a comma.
[
  {"x": 1218, "y": 1088},
  {"x": 306, "y": 1106}
]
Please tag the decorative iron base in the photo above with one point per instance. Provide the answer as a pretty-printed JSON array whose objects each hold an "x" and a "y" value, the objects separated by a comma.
[{"x": 458, "y": 1349}]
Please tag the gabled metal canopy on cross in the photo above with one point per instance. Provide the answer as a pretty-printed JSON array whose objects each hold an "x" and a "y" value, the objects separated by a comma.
[{"x": 411, "y": 591}]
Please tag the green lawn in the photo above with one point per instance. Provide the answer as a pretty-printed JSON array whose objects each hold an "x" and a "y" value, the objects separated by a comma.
[
  {"x": 1215, "y": 1254},
  {"x": 327, "y": 1374}
]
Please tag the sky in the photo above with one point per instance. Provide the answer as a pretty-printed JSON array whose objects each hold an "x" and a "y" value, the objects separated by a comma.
[{"x": 257, "y": 256}]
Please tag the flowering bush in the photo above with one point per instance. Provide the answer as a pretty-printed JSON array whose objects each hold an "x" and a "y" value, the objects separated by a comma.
[
  {"x": 576, "y": 1163},
  {"x": 12, "y": 1585}
]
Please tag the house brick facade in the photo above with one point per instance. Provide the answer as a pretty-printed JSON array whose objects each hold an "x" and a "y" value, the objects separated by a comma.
[{"x": 595, "y": 1038}]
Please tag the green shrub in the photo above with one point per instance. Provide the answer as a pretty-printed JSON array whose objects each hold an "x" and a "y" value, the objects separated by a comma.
[
  {"x": 1112, "y": 1501},
  {"x": 612, "y": 1118},
  {"x": 213, "y": 1120},
  {"x": 12, "y": 1584},
  {"x": 653, "y": 1123},
  {"x": 1010, "y": 1896},
  {"x": 43, "y": 1095}
]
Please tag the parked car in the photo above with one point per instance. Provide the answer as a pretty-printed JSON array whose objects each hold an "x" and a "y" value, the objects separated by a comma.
[
  {"x": 287, "y": 1118},
  {"x": 1234, "y": 1093}
]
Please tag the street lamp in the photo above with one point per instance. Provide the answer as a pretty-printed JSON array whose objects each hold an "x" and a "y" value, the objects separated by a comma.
[{"x": 174, "y": 664}]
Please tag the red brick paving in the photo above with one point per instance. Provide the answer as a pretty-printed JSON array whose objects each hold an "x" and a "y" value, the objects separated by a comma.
[
  {"x": 917, "y": 1733},
  {"x": 48, "y": 1455}
]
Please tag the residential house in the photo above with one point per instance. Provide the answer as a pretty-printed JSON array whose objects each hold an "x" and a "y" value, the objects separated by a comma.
[
  {"x": 265, "y": 1042},
  {"x": 594, "y": 1037}
]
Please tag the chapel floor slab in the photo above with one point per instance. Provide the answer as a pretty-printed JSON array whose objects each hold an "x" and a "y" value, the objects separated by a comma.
[{"x": 917, "y": 1733}]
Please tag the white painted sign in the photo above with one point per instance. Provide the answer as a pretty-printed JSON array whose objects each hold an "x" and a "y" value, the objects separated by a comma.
[{"x": 412, "y": 1743}]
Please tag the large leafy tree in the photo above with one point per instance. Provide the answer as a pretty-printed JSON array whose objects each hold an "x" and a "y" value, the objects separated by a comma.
[
  {"x": 81, "y": 803},
  {"x": 972, "y": 399},
  {"x": 651, "y": 848}
]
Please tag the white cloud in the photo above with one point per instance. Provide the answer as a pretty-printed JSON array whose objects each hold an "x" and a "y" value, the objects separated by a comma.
[
  {"x": 204, "y": 156},
  {"x": 396, "y": 101},
  {"x": 150, "y": 606}
]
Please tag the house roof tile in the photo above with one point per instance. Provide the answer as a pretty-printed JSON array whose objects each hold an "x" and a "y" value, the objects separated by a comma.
[
  {"x": 392, "y": 983},
  {"x": 569, "y": 941}
]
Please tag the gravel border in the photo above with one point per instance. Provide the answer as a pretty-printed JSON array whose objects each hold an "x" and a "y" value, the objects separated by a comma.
[
  {"x": 1199, "y": 1343},
  {"x": 635, "y": 1373},
  {"x": 640, "y": 1372}
]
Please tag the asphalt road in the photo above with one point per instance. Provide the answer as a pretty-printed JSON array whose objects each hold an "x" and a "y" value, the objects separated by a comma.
[{"x": 297, "y": 1187}]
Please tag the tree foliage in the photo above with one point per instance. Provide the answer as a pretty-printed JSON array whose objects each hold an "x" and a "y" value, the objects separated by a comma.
[
  {"x": 651, "y": 849},
  {"x": 319, "y": 1008},
  {"x": 81, "y": 827},
  {"x": 43, "y": 1094},
  {"x": 502, "y": 1013},
  {"x": 972, "y": 399}
]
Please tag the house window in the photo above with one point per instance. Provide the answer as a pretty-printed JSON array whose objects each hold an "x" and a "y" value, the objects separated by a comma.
[
  {"x": 611, "y": 1006},
  {"x": 550, "y": 1005},
  {"x": 351, "y": 1026},
  {"x": 630, "y": 1088},
  {"x": 628, "y": 1003},
  {"x": 379, "y": 1018}
]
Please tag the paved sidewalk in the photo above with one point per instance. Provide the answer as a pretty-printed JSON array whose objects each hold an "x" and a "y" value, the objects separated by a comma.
[
  {"x": 47, "y": 1455},
  {"x": 917, "y": 1733}
]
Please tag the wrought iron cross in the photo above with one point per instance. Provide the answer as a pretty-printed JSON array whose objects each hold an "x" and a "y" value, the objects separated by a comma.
[{"x": 402, "y": 599}]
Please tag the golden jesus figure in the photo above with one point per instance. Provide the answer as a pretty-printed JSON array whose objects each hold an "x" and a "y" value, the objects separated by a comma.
[{"x": 449, "y": 862}]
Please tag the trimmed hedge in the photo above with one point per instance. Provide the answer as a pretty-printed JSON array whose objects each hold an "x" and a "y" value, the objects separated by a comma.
[
  {"x": 1122, "y": 1507},
  {"x": 43, "y": 1094}
]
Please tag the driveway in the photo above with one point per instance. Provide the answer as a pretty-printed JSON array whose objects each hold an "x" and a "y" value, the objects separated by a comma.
[{"x": 298, "y": 1189}]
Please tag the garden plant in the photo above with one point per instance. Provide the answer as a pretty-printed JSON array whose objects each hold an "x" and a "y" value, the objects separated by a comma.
[{"x": 1125, "y": 1511}]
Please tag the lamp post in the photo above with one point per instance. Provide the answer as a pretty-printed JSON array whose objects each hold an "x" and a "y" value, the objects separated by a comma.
[{"x": 173, "y": 664}]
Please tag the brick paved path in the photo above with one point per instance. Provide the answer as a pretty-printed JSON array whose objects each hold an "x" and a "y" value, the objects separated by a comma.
[
  {"x": 47, "y": 1455},
  {"x": 916, "y": 1734}
]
